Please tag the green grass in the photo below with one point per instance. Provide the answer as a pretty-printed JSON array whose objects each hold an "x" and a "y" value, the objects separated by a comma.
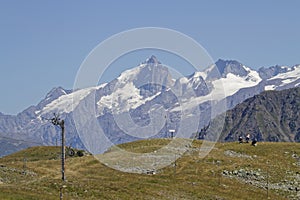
[{"x": 194, "y": 178}]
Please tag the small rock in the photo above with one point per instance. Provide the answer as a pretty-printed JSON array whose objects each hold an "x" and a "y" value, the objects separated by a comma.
[{"x": 294, "y": 155}]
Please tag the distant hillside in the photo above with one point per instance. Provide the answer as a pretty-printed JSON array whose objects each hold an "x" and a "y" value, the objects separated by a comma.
[
  {"x": 269, "y": 116},
  {"x": 231, "y": 171}
]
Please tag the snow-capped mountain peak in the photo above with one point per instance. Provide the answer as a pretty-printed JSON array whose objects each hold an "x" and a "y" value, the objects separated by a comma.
[
  {"x": 67, "y": 102},
  {"x": 150, "y": 71},
  {"x": 56, "y": 92},
  {"x": 152, "y": 60},
  {"x": 231, "y": 66},
  {"x": 136, "y": 86},
  {"x": 224, "y": 67}
]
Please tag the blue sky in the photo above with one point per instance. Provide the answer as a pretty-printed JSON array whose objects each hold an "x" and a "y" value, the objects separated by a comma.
[{"x": 43, "y": 43}]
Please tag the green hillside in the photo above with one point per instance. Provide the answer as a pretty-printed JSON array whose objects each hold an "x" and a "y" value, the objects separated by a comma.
[{"x": 230, "y": 171}]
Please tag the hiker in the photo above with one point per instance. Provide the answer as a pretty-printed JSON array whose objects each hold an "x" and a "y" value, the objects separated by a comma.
[
  {"x": 247, "y": 138},
  {"x": 254, "y": 142},
  {"x": 240, "y": 139}
]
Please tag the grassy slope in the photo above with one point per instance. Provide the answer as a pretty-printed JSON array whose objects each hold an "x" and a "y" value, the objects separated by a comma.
[{"x": 195, "y": 178}]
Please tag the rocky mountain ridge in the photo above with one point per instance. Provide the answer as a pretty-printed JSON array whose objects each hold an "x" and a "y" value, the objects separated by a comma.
[{"x": 269, "y": 116}]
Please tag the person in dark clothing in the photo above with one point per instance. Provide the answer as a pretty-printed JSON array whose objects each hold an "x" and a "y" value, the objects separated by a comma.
[
  {"x": 254, "y": 142},
  {"x": 240, "y": 139}
]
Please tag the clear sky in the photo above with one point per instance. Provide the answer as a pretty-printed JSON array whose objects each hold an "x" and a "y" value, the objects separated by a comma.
[{"x": 43, "y": 43}]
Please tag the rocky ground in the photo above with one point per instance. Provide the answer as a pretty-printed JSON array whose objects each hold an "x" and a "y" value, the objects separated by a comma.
[{"x": 259, "y": 178}]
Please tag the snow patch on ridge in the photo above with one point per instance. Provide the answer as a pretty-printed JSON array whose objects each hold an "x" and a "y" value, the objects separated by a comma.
[
  {"x": 123, "y": 99},
  {"x": 223, "y": 88},
  {"x": 233, "y": 83},
  {"x": 293, "y": 73},
  {"x": 270, "y": 87},
  {"x": 130, "y": 73},
  {"x": 66, "y": 103}
]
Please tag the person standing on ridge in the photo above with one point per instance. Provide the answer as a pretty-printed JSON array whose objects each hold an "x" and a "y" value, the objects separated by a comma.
[{"x": 247, "y": 138}]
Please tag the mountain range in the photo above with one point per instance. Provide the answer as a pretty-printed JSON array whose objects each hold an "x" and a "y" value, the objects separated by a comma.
[{"x": 145, "y": 101}]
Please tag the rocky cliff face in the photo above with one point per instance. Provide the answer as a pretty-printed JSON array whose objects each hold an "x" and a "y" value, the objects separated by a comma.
[{"x": 269, "y": 116}]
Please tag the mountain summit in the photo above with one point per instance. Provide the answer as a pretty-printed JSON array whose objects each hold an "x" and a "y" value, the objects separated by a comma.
[
  {"x": 231, "y": 66},
  {"x": 224, "y": 67},
  {"x": 152, "y": 60}
]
